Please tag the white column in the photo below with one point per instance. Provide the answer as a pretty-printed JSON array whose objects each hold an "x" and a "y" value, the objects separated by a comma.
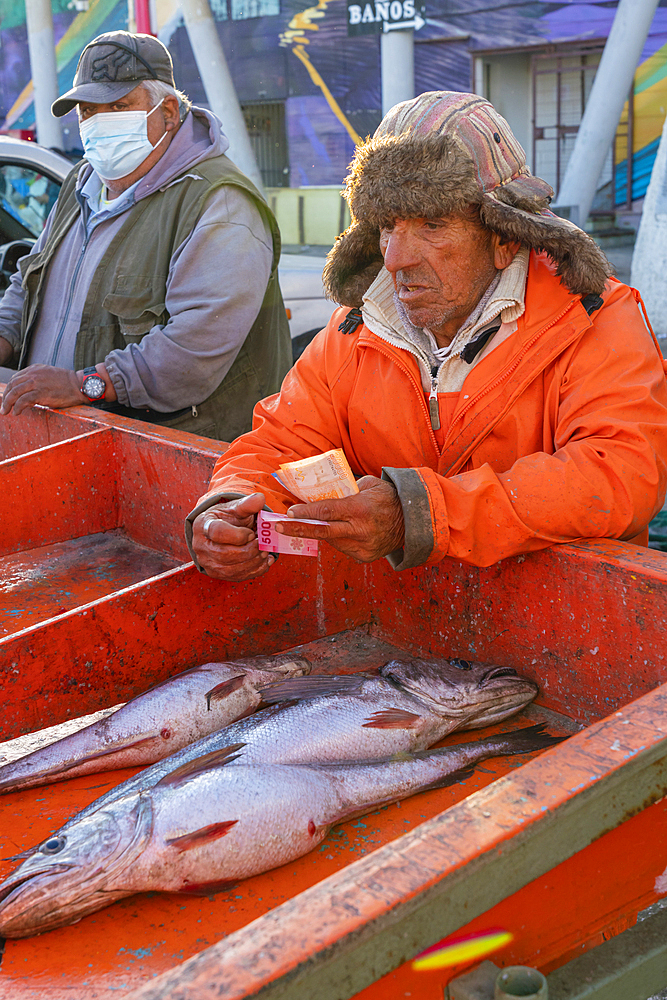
[
  {"x": 605, "y": 104},
  {"x": 220, "y": 92},
  {"x": 41, "y": 45},
  {"x": 649, "y": 260},
  {"x": 478, "y": 76},
  {"x": 397, "y": 60}
]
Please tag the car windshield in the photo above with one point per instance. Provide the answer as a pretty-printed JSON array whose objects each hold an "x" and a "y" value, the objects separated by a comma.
[{"x": 27, "y": 198}]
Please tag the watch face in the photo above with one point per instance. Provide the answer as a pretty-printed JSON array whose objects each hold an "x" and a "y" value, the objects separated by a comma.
[{"x": 93, "y": 387}]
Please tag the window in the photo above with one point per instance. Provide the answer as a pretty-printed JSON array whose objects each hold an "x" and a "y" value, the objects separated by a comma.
[
  {"x": 266, "y": 131},
  {"x": 561, "y": 84}
]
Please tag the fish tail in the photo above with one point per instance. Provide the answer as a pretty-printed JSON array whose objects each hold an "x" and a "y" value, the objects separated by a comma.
[
  {"x": 526, "y": 740},
  {"x": 529, "y": 739},
  {"x": 448, "y": 779}
]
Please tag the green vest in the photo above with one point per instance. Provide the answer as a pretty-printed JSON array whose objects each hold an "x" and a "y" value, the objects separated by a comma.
[{"x": 126, "y": 298}]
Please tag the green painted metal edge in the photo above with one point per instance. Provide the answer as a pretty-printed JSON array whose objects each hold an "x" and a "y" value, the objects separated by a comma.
[{"x": 631, "y": 966}]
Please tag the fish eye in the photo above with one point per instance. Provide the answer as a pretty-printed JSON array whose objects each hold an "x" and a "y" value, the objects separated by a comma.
[
  {"x": 54, "y": 845},
  {"x": 461, "y": 664}
]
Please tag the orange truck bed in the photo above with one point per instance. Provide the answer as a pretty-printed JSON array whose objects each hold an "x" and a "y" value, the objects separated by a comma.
[{"x": 98, "y": 600}]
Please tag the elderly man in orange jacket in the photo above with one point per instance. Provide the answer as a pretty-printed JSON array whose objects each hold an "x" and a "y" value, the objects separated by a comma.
[{"x": 494, "y": 388}]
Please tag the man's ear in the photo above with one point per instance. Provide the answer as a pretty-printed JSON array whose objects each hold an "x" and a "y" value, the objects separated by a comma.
[
  {"x": 172, "y": 117},
  {"x": 504, "y": 251}
]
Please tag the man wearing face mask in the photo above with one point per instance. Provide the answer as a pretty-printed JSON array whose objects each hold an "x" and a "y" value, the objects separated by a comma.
[{"x": 153, "y": 289}]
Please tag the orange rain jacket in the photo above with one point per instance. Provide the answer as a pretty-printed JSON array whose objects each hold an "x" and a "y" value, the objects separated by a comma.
[{"x": 559, "y": 433}]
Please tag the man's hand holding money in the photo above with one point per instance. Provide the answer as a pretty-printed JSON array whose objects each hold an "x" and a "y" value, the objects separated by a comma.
[
  {"x": 225, "y": 542},
  {"x": 365, "y": 526}
]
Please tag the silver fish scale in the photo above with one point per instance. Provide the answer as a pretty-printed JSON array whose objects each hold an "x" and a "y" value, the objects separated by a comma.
[
  {"x": 218, "y": 825},
  {"x": 330, "y": 727},
  {"x": 155, "y": 724}
]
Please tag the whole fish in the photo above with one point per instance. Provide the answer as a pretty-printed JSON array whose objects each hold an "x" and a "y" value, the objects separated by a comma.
[
  {"x": 205, "y": 826},
  {"x": 158, "y": 722},
  {"x": 405, "y": 706}
]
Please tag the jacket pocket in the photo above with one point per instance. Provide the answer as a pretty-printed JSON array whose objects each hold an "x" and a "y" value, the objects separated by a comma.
[{"x": 138, "y": 305}]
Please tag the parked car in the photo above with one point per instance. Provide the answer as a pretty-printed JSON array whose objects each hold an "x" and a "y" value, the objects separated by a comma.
[
  {"x": 30, "y": 179},
  {"x": 307, "y": 309}
]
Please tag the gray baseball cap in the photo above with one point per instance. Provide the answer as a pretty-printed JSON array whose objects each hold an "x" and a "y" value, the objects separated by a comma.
[{"x": 112, "y": 65}]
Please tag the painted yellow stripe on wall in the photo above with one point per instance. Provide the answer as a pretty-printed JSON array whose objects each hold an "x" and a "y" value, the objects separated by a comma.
[{"x": 301, "y": 54}]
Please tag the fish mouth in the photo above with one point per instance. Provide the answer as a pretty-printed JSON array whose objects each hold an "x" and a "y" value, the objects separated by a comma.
[
  {"x": 495, "y": 673},
  {"x": 9, "y": 888}
]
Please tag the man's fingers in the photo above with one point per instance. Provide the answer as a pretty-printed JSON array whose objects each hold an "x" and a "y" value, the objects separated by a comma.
[
  {"x": 25, "y": 401},
  {"x": 251, "y": 504},
  {"x": 222, "y": 532},
  {"x": 239, "y": 574},
  {"x": 234, "y": 563},
  {"x": 8, "y": 398},
  {"x": 326, "y": 510},
  {"x": 323, "y": 532},
  {"x": 18, "y": 396}
]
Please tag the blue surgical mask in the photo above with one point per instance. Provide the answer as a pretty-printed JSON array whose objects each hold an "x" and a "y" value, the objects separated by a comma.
[{"x": 115, "y": 143}]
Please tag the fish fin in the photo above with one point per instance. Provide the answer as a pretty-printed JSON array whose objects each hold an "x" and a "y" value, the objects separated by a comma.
[
  {"x": 316, "y": 686},
  {"x": 217, "y": 758},
  {"x": 392, "y": 718},
  {"x": 206, "y": 888},
  {"x": 202, "y": 836},
  {"x": 526, "y": 740},
  {"x": 224, "y": 689}
]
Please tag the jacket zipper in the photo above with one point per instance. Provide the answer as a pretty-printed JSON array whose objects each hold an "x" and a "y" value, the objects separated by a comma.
[
  {"x": 432, "y": 411},
  {"x": 433, "y": 407},
  {"x": 61, "y": 331}
]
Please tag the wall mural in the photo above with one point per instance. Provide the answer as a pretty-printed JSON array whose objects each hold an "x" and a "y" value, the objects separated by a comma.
[
  {"x": 329, "y": 85},
  {"x": 73, "y": 30}
]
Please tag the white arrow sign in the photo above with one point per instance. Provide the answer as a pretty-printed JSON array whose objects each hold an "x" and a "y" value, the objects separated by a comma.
[{"x": 417, "y": 23}]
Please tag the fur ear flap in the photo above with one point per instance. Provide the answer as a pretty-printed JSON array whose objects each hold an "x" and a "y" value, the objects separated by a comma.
[
  {"x": 353, "y": 264},
  {"x": 581, "y": 264}
]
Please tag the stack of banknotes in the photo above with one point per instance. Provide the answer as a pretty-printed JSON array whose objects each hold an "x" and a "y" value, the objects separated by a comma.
[{"x": 321, "y": 477}]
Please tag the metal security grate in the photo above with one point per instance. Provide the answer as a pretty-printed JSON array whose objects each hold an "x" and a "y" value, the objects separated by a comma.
[
  {"x": 266, "y": 129},
  {"x": 561, "y": 85}
]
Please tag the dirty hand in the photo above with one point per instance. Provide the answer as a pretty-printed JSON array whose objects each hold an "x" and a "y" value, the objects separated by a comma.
[
  {"x": 54, "y": 387},
  {"x": 225, "y": 542},
  {"x": 365, "y": 526}
]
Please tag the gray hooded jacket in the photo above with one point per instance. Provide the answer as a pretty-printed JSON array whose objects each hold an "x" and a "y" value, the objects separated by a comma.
[{"x": 217, "y": 279}]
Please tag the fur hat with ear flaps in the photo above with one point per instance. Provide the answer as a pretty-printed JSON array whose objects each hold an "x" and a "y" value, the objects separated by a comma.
[{"x": 438, "y": 155}]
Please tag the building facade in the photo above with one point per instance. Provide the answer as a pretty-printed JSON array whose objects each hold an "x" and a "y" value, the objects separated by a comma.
[{"x": 309, "y": 90}]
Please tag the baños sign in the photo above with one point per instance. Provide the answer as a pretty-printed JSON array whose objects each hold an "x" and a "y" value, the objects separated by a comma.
[{"x": 368, "y": 18}]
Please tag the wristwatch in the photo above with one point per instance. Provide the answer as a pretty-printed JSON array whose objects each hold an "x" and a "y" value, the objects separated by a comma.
[{"x": 93, "y": 385}]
